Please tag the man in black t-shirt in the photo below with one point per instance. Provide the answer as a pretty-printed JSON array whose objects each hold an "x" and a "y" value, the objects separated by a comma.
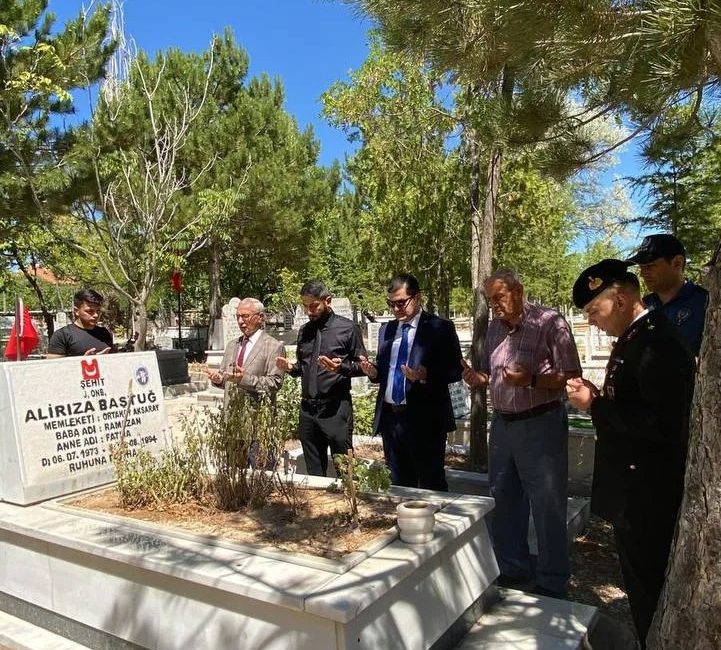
[{"x": 83, "y": 336}]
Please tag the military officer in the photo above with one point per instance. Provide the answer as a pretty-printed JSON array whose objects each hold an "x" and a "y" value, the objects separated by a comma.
[{"x": 641, "y": 417}]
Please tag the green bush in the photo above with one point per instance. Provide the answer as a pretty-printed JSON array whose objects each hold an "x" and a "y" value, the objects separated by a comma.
[
  {"x": 364, "y": 408},
  {"x": 175, "y": 476}
]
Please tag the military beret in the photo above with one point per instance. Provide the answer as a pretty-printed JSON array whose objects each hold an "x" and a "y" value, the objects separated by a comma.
[{"x": 598, "y": 277}]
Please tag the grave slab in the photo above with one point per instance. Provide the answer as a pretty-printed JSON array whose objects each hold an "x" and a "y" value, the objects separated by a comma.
[{"x": 160, "y": 589}]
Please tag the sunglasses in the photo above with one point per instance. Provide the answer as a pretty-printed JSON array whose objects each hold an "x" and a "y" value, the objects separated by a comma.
[{"x": 399, "y": 304}]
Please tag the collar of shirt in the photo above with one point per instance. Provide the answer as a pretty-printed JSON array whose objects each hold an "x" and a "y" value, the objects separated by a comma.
[
  {"x": 684, "y": 293},
  {"x": 252, "y": 340},
  {"x": 640, "y": 316}
]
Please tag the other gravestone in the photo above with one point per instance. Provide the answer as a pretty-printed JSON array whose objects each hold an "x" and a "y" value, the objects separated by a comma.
[
  {"x": 60, "y": 419},
  {"x": 373, "y": 329},
  {"x": 231, "y": 329},
  {"x": 342, "y": 307},
  {"x": 300, "y": 318},
  {"x": 60, "y": 320}
]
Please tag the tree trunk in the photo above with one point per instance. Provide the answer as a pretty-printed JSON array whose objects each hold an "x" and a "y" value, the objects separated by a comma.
[
  {"x": 482, "y": 236},
  {"x": 689, "y": 611},
  {"x": 215, "y": 304},
  {"x": 483, "y": 225},
  {"x": 140, "y": 324}
]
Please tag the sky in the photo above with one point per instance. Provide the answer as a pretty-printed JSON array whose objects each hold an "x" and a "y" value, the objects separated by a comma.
[{"x": 308, "y": 44}]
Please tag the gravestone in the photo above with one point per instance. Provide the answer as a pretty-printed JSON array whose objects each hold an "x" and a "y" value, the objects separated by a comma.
[
  {"x": 230, "y": 329},
  {"x": 59, "y": 420},
  {"x": 300, "y": 318},
  {"x": 373, "y": 329},
  {"x": 342, "y": 307},
  {"x": 60, "y": 320}
]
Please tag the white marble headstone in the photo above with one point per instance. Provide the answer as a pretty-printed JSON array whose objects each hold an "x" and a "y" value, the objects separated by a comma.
[
  {"x": 231, "y": 329},
  {"x": 59, "y": 419},
  {"x": 300, "y": 318},
  {"x": 342, "y": 307},
  {"x": 373, "y": 329}
]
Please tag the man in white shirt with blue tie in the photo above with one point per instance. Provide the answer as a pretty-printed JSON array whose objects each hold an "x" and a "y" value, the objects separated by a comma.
[{"x": 418, "y": 356}]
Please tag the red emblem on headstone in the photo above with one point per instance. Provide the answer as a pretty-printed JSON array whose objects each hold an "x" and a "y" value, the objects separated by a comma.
[{"x": 90, "y": 369}]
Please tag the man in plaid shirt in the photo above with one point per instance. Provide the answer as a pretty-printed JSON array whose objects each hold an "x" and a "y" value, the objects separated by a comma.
[{"x": 528, "y": 356}]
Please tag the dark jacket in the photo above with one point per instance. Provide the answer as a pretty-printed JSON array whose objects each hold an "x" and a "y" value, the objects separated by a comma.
[
  {"x": 435, "y": 347},
  {"x": 641, "y": 422}
]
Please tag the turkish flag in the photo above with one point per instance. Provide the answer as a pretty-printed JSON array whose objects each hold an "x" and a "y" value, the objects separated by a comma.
[{"x": 29, "y": 338}]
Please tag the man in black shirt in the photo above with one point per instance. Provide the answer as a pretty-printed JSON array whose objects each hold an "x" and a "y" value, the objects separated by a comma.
[
  {"x": 83, "y": 336},
  {"x": 328, "y": 354}
]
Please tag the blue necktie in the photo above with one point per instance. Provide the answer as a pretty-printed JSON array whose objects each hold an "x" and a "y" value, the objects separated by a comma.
[{"x": 399, "y": 380}]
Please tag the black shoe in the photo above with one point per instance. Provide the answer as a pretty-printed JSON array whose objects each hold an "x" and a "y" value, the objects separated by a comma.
[
  {"x": 511, "y": 582},
  {"x": 542, "y": 591}
]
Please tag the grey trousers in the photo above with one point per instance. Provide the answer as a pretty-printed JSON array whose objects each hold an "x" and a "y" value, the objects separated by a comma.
[{"x": 528, "y": 471}]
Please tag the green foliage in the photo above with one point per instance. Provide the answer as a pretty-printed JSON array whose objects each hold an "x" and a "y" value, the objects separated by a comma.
[
  {"x": 684, "y": 161},
  {"x": 364, "y": 408},
  {"x": 287, "y": 407},
  {"x": 241, "y": 435},
  {"x": 358, "y": 475},
  {"x": 534, "y": 231},
  {"x": 38, "y": 71},
  {"x": 175, "y": 476},
  {"x": 409, "y": 204}
]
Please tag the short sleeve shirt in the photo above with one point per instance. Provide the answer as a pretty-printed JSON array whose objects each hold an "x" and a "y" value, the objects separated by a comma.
[
  {"x": 542, "y": 343},
  {"x": 74, "y": 341},
  {"x": 687, "y": 311}
]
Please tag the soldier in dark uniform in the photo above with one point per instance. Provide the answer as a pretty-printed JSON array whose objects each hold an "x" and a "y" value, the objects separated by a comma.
[{"x": 641, "y": 417}]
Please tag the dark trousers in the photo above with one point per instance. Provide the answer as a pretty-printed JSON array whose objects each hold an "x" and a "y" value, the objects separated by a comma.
[
  {"x": 643, "y": 543},
  {"x": 528, "y": 471},
  {"x": 324, "y": 424},
  {"x": 415, "y": 457}
]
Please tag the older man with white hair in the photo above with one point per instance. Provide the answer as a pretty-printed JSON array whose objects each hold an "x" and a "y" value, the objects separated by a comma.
[{"x": 249, "y": 361}]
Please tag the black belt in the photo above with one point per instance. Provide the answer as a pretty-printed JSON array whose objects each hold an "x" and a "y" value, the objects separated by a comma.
[
  {"x": 395, "y": 408},
  {"x": 322, "y": 401},
  {"x": 530, "y": 413}
]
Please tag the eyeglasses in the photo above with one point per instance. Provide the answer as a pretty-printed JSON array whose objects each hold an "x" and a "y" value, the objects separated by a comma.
[
  {"x": 399, "y": 304},
  {"x": 245, "y": 316}
]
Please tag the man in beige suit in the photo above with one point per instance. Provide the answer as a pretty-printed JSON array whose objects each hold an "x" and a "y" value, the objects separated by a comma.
[{"x": 249, "y": 361}]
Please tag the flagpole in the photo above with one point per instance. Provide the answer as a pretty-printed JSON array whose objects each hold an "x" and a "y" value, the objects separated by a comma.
[{"x": 18, "y": 327}]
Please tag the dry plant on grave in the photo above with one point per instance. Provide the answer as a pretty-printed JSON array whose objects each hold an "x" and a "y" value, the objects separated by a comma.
[
  {"x": 358, "y": 475},
  {"x": 228, "y": 456},
  {"x": 244, "y": 448},
  {"x": 175, "y": 475}
]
